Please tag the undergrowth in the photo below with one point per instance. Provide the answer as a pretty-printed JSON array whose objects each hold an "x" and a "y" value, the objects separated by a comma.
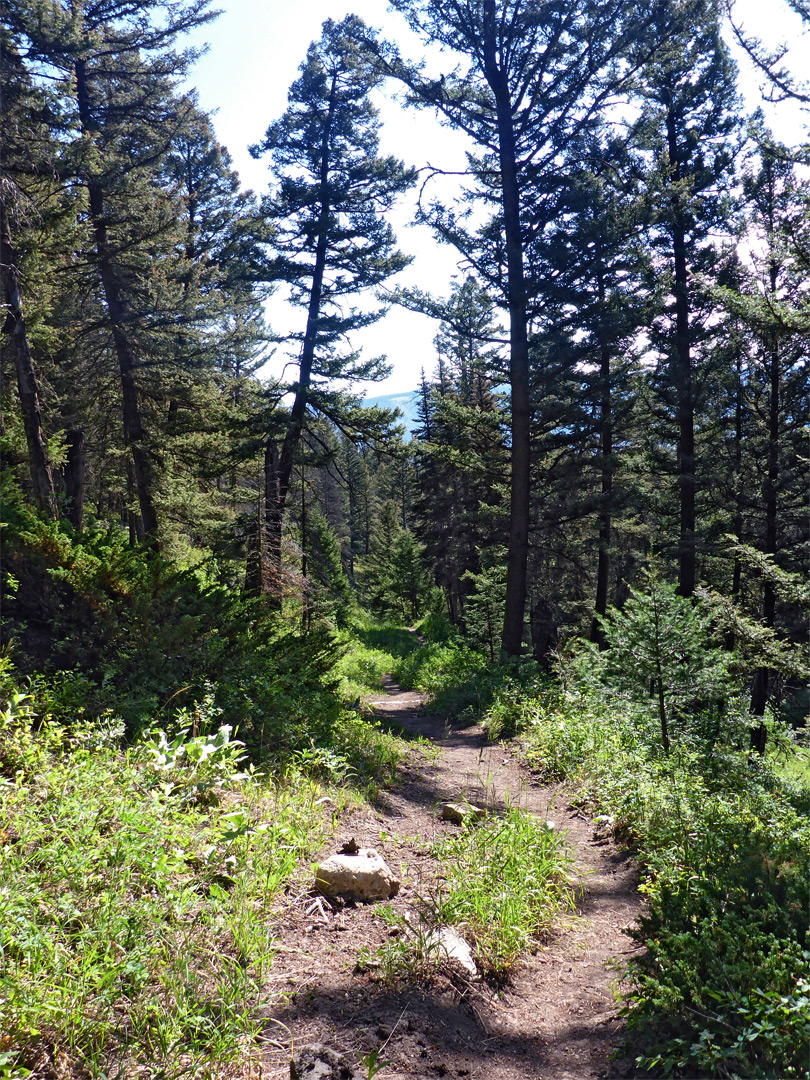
[
  {"x": 137, "y": 882},
  {"x": 452, "y": 676},
  {"x": 363, "y": 667},
  {"x": 721, "y": 988}
]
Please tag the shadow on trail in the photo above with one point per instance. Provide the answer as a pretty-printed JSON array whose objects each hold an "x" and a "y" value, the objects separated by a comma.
[{"x": 426, "y": 1031}]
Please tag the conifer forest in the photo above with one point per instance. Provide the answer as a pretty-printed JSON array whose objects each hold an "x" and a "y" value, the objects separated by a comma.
[{"x": 587, "y": 555}]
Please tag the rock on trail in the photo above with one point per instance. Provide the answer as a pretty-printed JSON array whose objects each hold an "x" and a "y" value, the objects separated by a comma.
[{"x": 361, "y": 875}]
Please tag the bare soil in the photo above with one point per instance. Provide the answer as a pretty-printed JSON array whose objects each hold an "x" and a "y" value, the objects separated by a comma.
[{"x": 556, "y": 1018}]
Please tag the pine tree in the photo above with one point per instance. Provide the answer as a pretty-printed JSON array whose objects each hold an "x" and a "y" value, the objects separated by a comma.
[
  {"x": 460, "y": 446},
  {"x": 774, "y": 401},
  {"x": 331, "y": 240},
  {"x": 324, "y": 568},
  {"x": 534, "y": 74},
  {"x": 690, "y": 110},
  {"x": 660, "y": 650},
  {"x": 26, "y": 153},
  {"x": 590, "y": 264},
  {"x": 118, "y": 65},
  {"x": 224, "y": 271}
]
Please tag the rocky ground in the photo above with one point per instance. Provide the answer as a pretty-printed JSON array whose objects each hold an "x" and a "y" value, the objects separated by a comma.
[{"x": 555, "y": 1019}]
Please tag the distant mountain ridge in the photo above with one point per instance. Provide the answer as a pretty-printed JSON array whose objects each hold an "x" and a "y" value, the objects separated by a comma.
[{"x": 405, "y": 402}]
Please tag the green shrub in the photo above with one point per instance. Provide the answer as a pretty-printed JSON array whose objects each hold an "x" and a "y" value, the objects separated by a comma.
[
  {"x": 387, "y": 637},
  {"x": 132, "y": 631},
  {"x": 726, "y": 865},
  {"x": 437, "y": 628},
  {"x": 284, "y": 693},
  {"x": 133, "y": 917},
  {"x": 363, "y": 668},
  {"x": 516, "y": 692},
  {"x": 450, "y": 674}
]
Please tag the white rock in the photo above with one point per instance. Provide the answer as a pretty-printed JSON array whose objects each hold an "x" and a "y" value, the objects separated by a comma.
[
  {"x": 319, "y": 1062},
  {"x": 364, "y": 876},
  {"x": 459, "y": 812},
  {"x": 445, "y": 943}
]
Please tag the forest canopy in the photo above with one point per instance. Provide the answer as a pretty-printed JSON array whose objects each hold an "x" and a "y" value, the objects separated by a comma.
[{"x": 620, "y": 368}]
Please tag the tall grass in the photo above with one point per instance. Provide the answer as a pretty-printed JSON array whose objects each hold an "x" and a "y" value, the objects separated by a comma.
[
  {"x": 502, "y": 882},
  {"x": 505, "y": 880}
]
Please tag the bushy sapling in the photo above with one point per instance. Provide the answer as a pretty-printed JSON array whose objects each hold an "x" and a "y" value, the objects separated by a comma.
[{"x": 660, "y": 650}]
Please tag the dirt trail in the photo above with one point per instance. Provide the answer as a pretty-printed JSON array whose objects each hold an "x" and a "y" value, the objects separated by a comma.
[{"x": 555, "y": 1020}]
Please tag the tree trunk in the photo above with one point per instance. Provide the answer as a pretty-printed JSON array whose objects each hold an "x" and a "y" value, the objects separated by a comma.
[
  {"x": 736, "y": 574},
  {"x": 518, "y": 548},
  {"x": 451, "y": 592},
  {"x": 253, "y": 556},
  {"x": 41, "y": 475},
  {"x": 75, "y": 478},
  {"x": 764, "y": 677},
  {"x": 134, "y": 519},
  {"x": 270, "y": 581},
  {"x": 687, "y": 556},
  {"x": 295, "y": 426},
  {"x": 306, "y": 614},
  {"x": 143, "y": 473},
  {"x": 606, "y": 462},
  {"x": 662, "y": 714},
  {"x": 544, "y": 631}
]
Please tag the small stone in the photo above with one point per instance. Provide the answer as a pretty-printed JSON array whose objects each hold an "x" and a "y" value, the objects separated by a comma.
[
  {"x": 364, "y": 876},
  {"x": 551, "y": 825},
  {"x": 459, "y": 812},
  {"x": 319, "y": 1062},
  {"x": 446, "y": 943}
]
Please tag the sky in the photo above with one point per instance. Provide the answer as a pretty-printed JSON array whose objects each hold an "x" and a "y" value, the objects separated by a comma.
[{"x": 254, "y": 51}]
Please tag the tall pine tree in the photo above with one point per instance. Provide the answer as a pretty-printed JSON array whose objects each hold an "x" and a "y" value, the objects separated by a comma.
[{"x": 332, "y": 242}]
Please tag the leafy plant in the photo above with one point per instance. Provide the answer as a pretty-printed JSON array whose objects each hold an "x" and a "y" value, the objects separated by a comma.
[
  {"x": 324, "y": 762},
  {"x": 362, "y": 668},
  {"x": 197, "y": 767},
  {"x": 374, "y": 1063},
  {"x": 134, "y": 915}
]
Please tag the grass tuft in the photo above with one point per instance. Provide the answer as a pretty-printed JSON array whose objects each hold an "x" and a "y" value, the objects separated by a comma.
[{"x": 503, "y": 881}]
